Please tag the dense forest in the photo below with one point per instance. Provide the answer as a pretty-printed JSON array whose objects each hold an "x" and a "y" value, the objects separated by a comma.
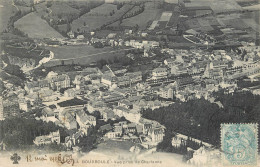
[
  {"x": 19, "y": 133},
  {"x": 201, "y": 119}
]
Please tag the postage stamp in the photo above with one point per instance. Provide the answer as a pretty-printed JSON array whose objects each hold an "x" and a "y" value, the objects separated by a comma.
[{"x": 239, "y": 144}]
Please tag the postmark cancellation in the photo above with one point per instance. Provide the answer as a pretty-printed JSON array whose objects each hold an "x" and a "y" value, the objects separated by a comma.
[{"x": 239, "y": 144}]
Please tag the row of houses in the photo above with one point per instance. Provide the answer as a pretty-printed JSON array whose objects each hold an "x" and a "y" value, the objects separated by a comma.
[
  {"x": 125, "y": 80},
  {"x": 145, "y": 131},
  {"x": 55, "y": 82}
]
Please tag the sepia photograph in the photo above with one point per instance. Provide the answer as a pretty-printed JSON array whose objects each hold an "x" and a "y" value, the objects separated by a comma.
[{"x": 129, "y": 83}]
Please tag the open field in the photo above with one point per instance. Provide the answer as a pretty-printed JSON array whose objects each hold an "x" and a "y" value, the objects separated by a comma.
[
  {"x": 103, "y": 10},
  {"x": 150, "y": 13},
  {"x": 252, "y": 7},
  {"x": 225, "y": 6},
  {"x": 252, "y": 15},
  {"x": 135, "y": 9},
  {"x": 6, "y": 10},
  {"x": 24, "y": 9},
  {"x": 62, "y": 27},
  {"x": 205, "y": 24},
  {"x": 202, "y": 12},
  {"x": 66, "y": 52},
  {"x": 36, "y": 27},
  {"x": 81, "y": 54},
  {"x": 59, "y": 8},
  {"x": 166, "y": 16},
  {"x": 41, "y": 9},
  {"x": 236, "y": 23},
  {"x": 96, "y": 21},
  {"x": 229, "y": 20},
  {"x": 92, "y": 22},
  {"x": 253, "y": 24}
]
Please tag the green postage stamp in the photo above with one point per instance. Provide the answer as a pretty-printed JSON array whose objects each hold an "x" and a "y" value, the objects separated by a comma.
[{"x": 239, "y": 144}]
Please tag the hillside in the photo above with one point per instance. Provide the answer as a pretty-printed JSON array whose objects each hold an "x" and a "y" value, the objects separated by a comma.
[
  {"x": 7, "y": 10},
  {"x": 36, "y": 27},
  {"x": 97, "y": 17}
]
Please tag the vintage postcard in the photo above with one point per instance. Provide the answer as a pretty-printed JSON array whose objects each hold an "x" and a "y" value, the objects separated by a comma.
[{"x": 125, "y": 83}]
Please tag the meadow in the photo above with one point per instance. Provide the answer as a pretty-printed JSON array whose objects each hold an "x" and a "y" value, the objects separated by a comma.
[
  {"x": 98, "y": 17},
  {"x": 6, "y": 10},
  {"x": 72, "y": 51},
  {"x": 103, "y": 10},
  {"x": 150, "y": 13},
  {"x": 81, "y": 54},
  {"x": 36, "y": 27}
]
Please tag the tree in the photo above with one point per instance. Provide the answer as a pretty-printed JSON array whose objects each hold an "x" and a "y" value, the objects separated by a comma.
[
  {"x": 68, "y": 27},
  {"x": 88, "y": 142},
  {"x": 184, "y": 117},
  {"x": 14, "y": 70},
  {"x": 101, "y": 63},
  {"x": 48, "y": 4},
  {"x": 19, "y": 133}
]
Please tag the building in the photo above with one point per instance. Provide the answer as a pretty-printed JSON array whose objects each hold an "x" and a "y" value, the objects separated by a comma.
[
  {"x": 166, "y": 93},
  {"x": 112, "y": 97},
  {"x": 67, "y": 119},
  {"x": 131, "y": 128},
  {"x": 178, "y": 70},
  {"x": 218, "y": 64},
  {"x": 184, "y": 82},
  {"x": 108, "y": 80},
  {"x": 24, "y": 105},
  {"x": 179, "y": 140},
  {"x": 156, "y": 134},
  {"x": 71, "y": 34},
  {"x": 73, "y": 92},
  {"x": 105, "y": 128},
  {"x": 135, "y": 77},
  {"x": 169, "y": 62},
  {"x": 95, "y": 106},
  {"x": 159, "y": 73},
  {"x": 147, "y": 127},
  {"x": 83, "y": 119},
  {"x": 37, "y": 1},
  {"x": 35, "y": 86},
  {"x": 60, "y": 81},
  {"x": 214, "y": 73},
  {"x": 80, "y": 37},
  {"x": 112, "y": 135},
  {"x": 125, "y": 103},
  {"x": 74, "y": 139},
  {"x": 53, "y": 137},
  {"x": 107, "y": 114},
  {"x": 111, "y": 35},
  {"x": 123, "y": 81},
  {"x": 131, "y": 115}
]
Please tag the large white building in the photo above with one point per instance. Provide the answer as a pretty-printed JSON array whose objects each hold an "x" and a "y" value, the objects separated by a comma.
[
  {"x": 59, "y": 82},
  {"x": 53, "y": 137},
  {"x": 159, "y": 73}
]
